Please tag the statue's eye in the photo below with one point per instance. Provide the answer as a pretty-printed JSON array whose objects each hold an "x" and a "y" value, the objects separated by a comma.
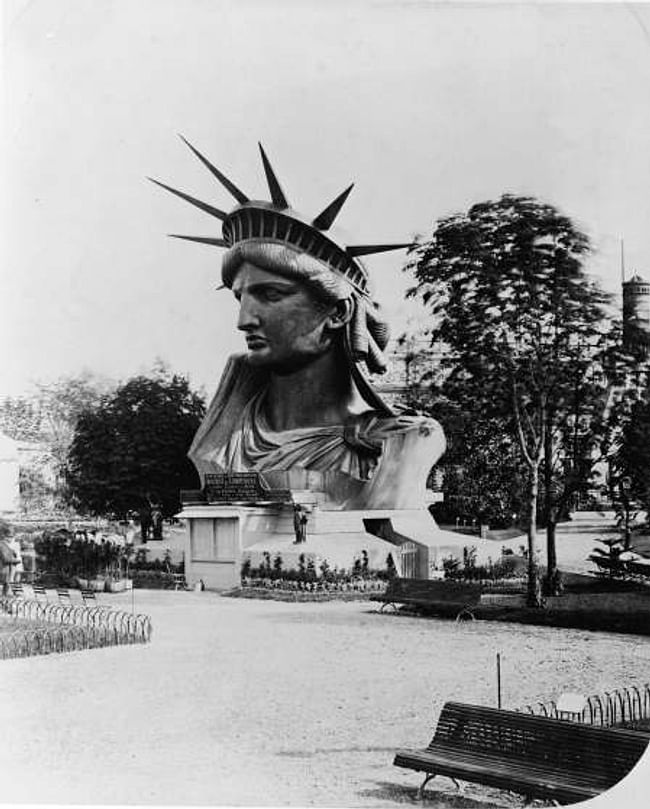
[{"x": 272, "y": 294}]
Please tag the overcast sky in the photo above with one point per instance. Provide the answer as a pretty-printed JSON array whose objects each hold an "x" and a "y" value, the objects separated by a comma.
[{"x": 428, "y": 108}]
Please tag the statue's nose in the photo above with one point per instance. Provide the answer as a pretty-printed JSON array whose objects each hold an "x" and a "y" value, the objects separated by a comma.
[{"x": 248, "y": 316}]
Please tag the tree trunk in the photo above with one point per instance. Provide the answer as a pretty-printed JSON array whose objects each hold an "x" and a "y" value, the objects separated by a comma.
[
  {"x": 551, "y": 581},
  {"x": 551, "y": 554},
  {"x": 534, "y": 594}
]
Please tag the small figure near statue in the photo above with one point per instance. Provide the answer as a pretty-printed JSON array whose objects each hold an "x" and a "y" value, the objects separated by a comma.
[
  {"x": 157, "y": 521},
  {"x": 300, "y": 520}
]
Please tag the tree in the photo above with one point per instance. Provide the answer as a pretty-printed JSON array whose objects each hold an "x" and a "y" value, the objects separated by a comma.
[
  {"x": 60, "y": 404},
  {"x": 592, "y": 402},
  {"x": 481, "y": 469},
  {"x": 20, "y": 418},
  {"x": 47, "y": 420},
  {"x": 513, "y": 305},
  {"x": 632, "y": 459},
  {"x": 132, "y": 447}
]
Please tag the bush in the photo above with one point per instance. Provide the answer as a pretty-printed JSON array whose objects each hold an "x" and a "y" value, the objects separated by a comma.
[
  {"x": 506, "y": 567},
  {"x": 307, "y": 577}
]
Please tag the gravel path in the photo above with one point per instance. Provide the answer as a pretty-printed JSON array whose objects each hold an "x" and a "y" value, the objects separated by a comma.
[{"x": 242, "y": 702}]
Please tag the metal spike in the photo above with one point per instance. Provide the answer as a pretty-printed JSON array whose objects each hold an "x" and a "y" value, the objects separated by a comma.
[
  {"x": 277, "y": 194},
  {"x": 230, "y": 186},
  {"x": 201, "y": 240},
  {"x": 325, "y": 219},
  {"x": 202, "y": 205},
  {"x": 368, "y": 249}
]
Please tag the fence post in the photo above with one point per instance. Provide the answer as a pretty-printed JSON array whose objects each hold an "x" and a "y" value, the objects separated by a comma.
[{"x": 498, "y": 680}]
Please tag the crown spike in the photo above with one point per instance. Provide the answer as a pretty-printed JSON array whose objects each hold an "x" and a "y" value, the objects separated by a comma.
[
  {"x": 201, "y": 240},
  {"x": 326, "y": 218},
  {"x": 197, "y": 202},
  {"x": 277, "y": 194},
  {"x": 368, "y": 249},
  {"x": 227, "y": 184}
]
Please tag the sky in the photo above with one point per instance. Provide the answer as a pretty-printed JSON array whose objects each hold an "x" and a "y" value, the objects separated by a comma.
[{"x": 426, "y": 107}]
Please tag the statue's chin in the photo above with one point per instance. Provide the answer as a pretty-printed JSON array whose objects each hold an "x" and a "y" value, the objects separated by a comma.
[{"x": 282, "y": 366}]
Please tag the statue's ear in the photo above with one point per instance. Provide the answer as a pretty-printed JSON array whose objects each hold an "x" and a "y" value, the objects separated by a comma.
[{"x": 341, "y": 314}]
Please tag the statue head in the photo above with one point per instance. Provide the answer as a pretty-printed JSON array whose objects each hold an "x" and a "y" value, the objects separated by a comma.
[
  {"x": 288, "y": 323},
  {"x": 320, "y": 282}
]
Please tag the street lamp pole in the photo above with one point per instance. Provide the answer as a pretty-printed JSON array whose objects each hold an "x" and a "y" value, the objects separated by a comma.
[{"x": 625, "y": 487}]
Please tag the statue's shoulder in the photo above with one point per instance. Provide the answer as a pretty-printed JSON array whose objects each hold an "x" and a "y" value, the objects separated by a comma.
[
  {"x": 406, "y": 421},
  {"x": 239, "y": 383},
  {"x": 373, "y": 432}
]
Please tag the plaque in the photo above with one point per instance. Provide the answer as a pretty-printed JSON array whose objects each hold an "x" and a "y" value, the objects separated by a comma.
[{"x": 241, "y": 487}]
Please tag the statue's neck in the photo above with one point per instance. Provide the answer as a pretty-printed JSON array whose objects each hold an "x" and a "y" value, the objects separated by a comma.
[{"x": 319, "y": 394}]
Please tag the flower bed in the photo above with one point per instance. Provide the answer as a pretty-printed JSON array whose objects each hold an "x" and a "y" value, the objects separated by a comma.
[
  {"x": 278, "y": 594},
  {"x": 359, "y": 585}
]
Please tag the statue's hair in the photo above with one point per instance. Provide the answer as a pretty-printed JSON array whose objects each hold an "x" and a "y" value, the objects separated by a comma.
[{"x": 288, "y": 262}]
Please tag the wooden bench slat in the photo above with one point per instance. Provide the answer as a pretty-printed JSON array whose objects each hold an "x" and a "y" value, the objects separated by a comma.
[
  {"x": 493, "y": 772},
  {"x": 494, "y": 764},
  {"x": 530, "y": 754}
]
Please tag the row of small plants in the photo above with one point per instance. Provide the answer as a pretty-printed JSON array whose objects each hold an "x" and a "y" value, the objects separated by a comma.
[
  {"x": 74, "y": 558},
  {"x": 271, "y": 574},
  {"x": 506, "y": 567},
  {"x": 78, "y": 555}
]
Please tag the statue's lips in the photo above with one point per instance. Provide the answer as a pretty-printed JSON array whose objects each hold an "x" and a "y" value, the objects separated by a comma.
[{"x": 254, "y": 342}]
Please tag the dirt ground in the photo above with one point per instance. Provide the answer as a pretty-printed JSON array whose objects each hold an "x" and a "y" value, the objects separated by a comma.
[{"x": 242, "y": 702}]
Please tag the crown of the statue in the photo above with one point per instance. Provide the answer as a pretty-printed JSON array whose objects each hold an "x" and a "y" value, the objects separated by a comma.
[{"x": 276, "y": 221}]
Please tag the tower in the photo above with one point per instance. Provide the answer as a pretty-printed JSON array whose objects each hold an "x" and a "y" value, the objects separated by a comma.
[{"x": 636, "y": 316}]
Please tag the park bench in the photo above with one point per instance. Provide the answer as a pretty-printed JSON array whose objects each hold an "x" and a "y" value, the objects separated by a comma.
[
  {"x": 88, "y": 596},
  {"x": 554, "y": 759},
  {"x": 63, "y": 595},
  {"x": 39, "y": 592},
  {"x": 423, "y": 593},
  {"x": 17, "y": 590}
]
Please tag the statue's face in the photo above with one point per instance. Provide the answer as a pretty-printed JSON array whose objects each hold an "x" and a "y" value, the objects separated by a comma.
[{"x": 285, "y": 325}]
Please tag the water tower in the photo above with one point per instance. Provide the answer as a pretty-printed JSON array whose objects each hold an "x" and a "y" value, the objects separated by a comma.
[{"x": 636, "y": 316}]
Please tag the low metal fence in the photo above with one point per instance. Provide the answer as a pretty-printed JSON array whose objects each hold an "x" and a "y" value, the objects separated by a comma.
[
  {"x": 73, "y": 627},
  {"x": 622, "y": 707}
]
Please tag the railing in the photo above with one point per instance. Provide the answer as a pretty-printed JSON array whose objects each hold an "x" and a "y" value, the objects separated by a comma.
[
  {"x": 623, "y": 707},
  {"x": 77, "y": 627}
]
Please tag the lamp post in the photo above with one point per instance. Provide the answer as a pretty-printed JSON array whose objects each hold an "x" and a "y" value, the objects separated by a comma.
[{"x": 625, "y": 486}]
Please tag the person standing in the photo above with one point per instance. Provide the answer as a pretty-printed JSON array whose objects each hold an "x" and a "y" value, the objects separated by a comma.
[
  {"x": 157, "y": 521},
  {"x": 144, "y": 513},
  {"x": 8, "y": 557},
  {"x": 16, "y": 572},
  {"x": 297, "y": 524}
]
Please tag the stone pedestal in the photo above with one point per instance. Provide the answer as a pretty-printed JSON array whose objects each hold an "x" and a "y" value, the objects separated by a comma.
[{"x": 220, "y": 537}]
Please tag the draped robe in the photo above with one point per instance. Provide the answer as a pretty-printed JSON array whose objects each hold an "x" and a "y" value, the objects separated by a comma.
[{"x": 370, "y": 462}]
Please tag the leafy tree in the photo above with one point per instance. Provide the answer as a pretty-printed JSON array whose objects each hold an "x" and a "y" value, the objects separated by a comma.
[
  {"x": 132, "y": 447},
  {"x": 60, "y": 404},
  {"x": 35, "y": 490},
  {"x": 48, "y": 417},
  {"x": 516, "y": 311},
  {"x": 632, "y": 459},
  {"x": 585, "y": 417},
  {"x": 20, "y": 418},
  {"x": 482, "y": 471}
]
